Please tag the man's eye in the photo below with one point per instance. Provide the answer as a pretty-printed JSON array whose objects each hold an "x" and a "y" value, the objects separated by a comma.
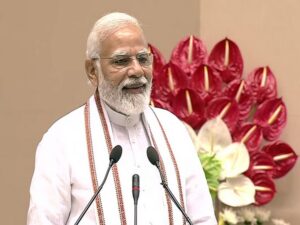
[
  {"x": 121, "y": 61},
  {"x": 143, "y": 59}
]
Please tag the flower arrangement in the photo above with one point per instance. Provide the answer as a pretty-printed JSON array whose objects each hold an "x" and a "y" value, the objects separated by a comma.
[
  {"x": 247, "y": 216},
  {"x": 235, "y": 122}
]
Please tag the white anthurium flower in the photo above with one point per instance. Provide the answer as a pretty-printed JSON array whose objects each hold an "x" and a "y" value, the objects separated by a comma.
[
  {"x": 213, "y": 136},
  {"x": 214, "y": 139},
  {"x": 237, "y": 191},
  {"x": 234, "y": 158},
  {"x": 193, "y": 136}
]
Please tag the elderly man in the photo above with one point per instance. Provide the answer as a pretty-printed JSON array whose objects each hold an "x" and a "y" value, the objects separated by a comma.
[{"x": 73, "y": 156}]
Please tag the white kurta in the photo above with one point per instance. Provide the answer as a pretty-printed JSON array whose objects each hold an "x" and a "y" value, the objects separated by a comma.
[{"x": 61, "y": 185}]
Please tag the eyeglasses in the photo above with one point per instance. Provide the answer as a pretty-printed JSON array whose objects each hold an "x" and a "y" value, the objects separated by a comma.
[{"x": 122, "y": 61}]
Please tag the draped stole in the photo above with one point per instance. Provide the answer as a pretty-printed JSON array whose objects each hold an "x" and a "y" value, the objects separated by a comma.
[{"x": 118, "y": 190}]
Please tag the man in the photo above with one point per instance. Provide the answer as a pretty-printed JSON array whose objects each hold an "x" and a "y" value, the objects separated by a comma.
[{"x": 73, "y": 156}]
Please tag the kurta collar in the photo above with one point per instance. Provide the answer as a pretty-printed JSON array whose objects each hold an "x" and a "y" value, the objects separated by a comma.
[{"x": 120, "y": 119}]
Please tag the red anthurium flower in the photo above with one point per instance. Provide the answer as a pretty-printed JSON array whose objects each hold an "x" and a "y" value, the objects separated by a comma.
[
  {"x": 168, "y": 83},
  {"x": 283, "y": 156},
  {"x": 260, "y": 162},
  {"x": 250, "y": 134},
  {"x": 189, "y": 107},
  {"x": 240, "y": 91},
  {"x": 189, "y": 54},
  {"x": 264, "y": 186},
  {"x": 192, "y": 86},
  {"x": 226, "y": 108},
  {"x": 158, "y": 64},
  {"x": 263, "y": 84},
  {"x": 174, "y": 78},
  {"x": 158, "y": 61},
  {"x": 205, "y": 82},
  {"x": 160, "y": 93},
  {"x": 271, "y": 115},
  {"x": 227, "y": 60}
]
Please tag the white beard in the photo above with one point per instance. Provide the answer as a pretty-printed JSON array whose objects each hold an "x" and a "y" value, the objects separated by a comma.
[{"x": 126, "y": 103}]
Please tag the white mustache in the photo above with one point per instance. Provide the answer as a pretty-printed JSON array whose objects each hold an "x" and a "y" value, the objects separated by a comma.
[{"x": 134, "y": 82}]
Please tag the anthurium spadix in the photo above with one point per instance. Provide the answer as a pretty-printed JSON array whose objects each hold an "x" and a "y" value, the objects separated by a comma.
[{"x": 237, "y": 191}]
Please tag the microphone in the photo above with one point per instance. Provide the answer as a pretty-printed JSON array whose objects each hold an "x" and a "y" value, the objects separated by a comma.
[
  {"x": 114, "y": 157},
  {"x": 135, "y": 194},
  {"x": 135, "y": 188},
  {"x": 154, "y": 160}
]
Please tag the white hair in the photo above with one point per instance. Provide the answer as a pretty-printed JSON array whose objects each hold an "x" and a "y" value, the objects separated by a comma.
[{"x": 104, "y": 27}]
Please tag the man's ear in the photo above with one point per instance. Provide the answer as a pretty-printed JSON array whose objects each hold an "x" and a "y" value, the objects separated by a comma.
[{"x": 91, "y": 72}]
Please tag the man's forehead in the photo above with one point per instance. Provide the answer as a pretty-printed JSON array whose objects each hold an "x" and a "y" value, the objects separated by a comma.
[{"x": 128, "y": 40}]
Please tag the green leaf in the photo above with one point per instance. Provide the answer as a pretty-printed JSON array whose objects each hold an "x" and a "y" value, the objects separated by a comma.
[{"x": 212, "y": 170}]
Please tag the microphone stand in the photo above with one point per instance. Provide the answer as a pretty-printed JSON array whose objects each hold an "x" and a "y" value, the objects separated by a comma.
[
  {"x": 96, "y": 193},
  {"x": 135, "y": 214},
  {"x": 166, "y": 187}
]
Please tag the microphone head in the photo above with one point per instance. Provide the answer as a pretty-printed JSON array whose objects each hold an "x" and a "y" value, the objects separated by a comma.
[
  {"x": 135, "y": 188},
  {"x": 135, "y": 181},
  {"x": 152, "y": 156},
  {"x": 115, "y": 154}
]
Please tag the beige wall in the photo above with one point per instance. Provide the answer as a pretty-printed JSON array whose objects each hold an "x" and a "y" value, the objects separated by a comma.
[
  {"x": 268, "y": 33},
  {"x": 42, "y": 77}
]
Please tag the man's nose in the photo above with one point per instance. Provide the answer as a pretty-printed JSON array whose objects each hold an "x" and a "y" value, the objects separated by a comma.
[{"x": 135, "y": 69}]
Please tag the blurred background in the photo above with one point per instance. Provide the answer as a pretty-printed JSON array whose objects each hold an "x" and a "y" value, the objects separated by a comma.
[{"x": 42, "y": 52}]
